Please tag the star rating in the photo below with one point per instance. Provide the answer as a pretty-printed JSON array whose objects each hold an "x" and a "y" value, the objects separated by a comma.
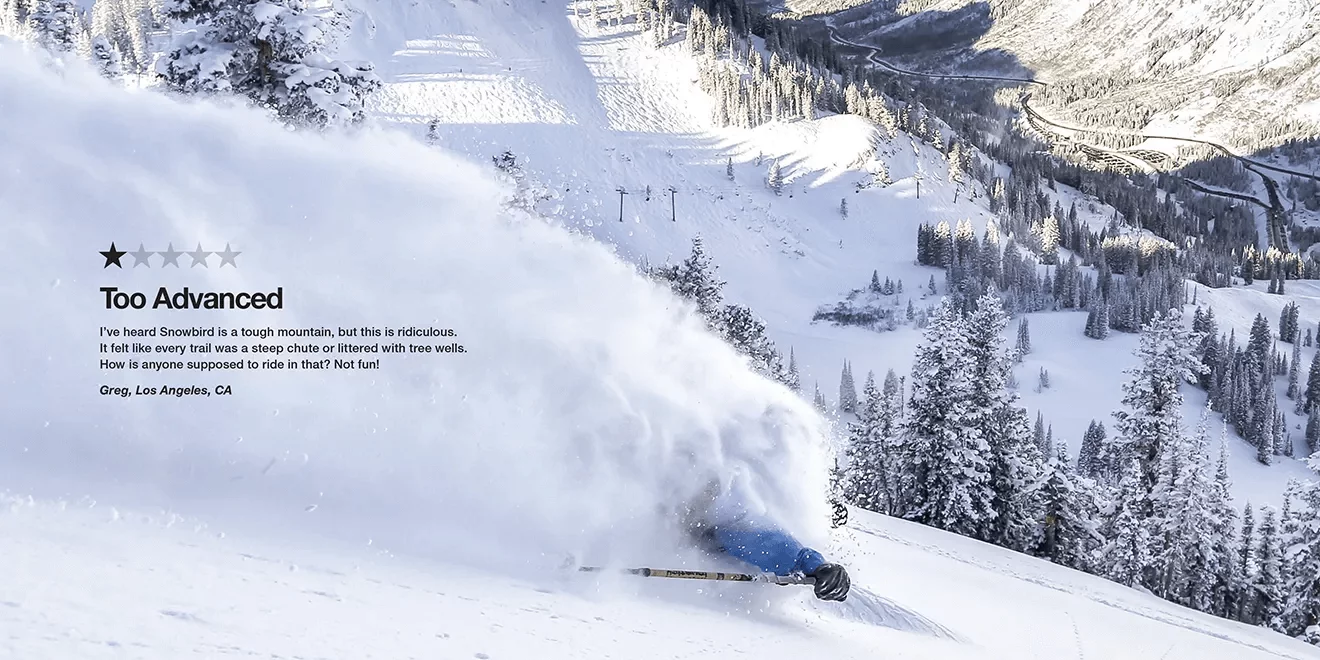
[
  {"x": 142, "y": 257},
  {"x": 199, "y": 256},
  {"x": 112, "y": 256},
  {"x": 169, "y": 256},
  {"x": 227, "y": 257}
]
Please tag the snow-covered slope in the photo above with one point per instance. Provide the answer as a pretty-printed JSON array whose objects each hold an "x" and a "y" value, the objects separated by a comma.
[
  {"x": 423, "y": 508},
  {"x": 91, "y": 581},
  {"x": 1215, "y": 69},
  {"x": 589, "y": 108}
]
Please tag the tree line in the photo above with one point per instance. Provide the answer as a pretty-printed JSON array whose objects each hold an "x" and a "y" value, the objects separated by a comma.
[
  {"x": 272, "y": 52},
  {"x": 1144, "y": 506}
]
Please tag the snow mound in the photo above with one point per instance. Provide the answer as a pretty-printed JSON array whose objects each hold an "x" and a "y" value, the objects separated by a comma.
[{"x": 587, "y": 399}]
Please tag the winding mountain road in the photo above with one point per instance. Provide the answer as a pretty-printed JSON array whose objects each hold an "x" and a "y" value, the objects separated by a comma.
[{"x": 1276, "y": 213}]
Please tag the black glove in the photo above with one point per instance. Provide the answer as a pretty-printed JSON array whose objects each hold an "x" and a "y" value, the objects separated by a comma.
[{"x": 831, "y": 582}]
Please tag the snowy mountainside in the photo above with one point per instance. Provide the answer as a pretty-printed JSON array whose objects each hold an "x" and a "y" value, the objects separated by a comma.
[
  {"x": 1201, "y": 69},
  {"x": 587, "y": 396},
  {"x": 587, "y": 108},
  {"x": 423, "y": 509}
]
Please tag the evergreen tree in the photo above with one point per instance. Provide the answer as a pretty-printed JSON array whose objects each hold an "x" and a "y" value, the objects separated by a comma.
[
  {"x": 891, "y": 407},
  {"x": 728, "y": 168},
  {"x": 694, "y": 280},
  {"x": 746, "y": 333},
  {"x": 1226, "y": 575},
  {"x": 270, "y": 52},
  {"x": 1152, "y": 400},
  {"x": 1267, "y": 585},
  {"x": 1015, "y": 463},
  {"x": 1313, "y": 430},
  {"x": 1068, "y": 535},
  {"x": 1258, "y": 346},
  {"x": 55, "y": 25},
  {"x": 1312, "y": 395},
  {"x": 794, "y": 380},
  {"x": 869, "y": 470},
  {"x": 1301, "y": 540},
  {"x": 1023, "y": 338},
  {"x": 1288, "y": 323},
  {"x": 843, "y": 208},
  {"x": 1246, "y": 567},
  {"x": 847, "y": 390},
  {"x": 1184, "y": 516},
  {"x": 1043, "y": 382},
  {"x": 1038, "y": 435},
  {"x": 819, "y": 400},
  {"x": 943, "y": 470},
  {"x": 1088, "y": 460},
  {"x": 107, "y": 58},
  {"x": 1126, "y": 555},
  {"x": 775, "y": 179},
  {"x": 1294, "y": 370}
]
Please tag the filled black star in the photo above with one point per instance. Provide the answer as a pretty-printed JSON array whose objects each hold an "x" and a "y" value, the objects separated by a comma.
[{"x": 112, "y": 256}]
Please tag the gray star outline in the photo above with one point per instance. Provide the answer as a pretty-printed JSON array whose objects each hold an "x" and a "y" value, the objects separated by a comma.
[
  {"x": 171, "y": 256},
  {"x": 142, "y": 257},
  {"x": 199, "y": 256},
  {"x": 227, "y": 256}
]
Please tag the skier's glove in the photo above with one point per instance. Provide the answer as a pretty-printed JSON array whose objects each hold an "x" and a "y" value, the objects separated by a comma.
[{"x": 831, "y": 582}]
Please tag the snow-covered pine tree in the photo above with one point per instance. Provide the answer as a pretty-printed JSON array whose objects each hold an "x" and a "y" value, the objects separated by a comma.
[
  {"x": 1048, "y": 235},
  {"x": 1069, "y": 535},
  {"x": 1267, "y": 583},
  {"x": 843, "y": 208},
  {"x": 1312, "y": 394},
  {"x": 1043, "y": 380},
  {"x": 1182, "y": 520},
  {"x": 869, "y": 468},
  {"x": 1227, "y": 579},
  {"x": 1313, "y": 430},
  {"x": 774, "y": 180},
  {"x": 55, "y": 25},
  {"x": 106, "y": 57},
  {"x": 1152, "y": 400},
  {"x": 1294, "y": 370},
  {"x": 1246, "y": 567},
  {"x": 746, "y": 333},
  {"x": 1015, "y": 462},
  {"x": 1125, "y": 557},
  {"x": 1088, "y": 457},
  {"x": 124, "y": 24},
  {"x": 1023, "y": 338},
  {"x": 891, "y": 406},
  {"x": 847, "y": 390},
  {"x": 1258, "y": 345},
  {"x": 819, "y": 400},
  {"x": 794, "y": 380},
  {"x": 941, "y": 458},
  {"x": 270, "y": 52},
  {"x": 1038, "y": 435},
  {"x": 1288, "y": 323},
  {"x": 695, "y": 280},
  {"x": 728, "y": 168},
  {"x": 1301, "y": 541}
]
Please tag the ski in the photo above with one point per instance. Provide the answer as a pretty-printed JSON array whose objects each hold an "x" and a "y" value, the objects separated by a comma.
[{"x": 769, "y": 578}]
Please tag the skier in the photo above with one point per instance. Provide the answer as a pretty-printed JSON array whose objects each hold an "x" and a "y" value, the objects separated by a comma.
[{"x": 728, "y": 521}]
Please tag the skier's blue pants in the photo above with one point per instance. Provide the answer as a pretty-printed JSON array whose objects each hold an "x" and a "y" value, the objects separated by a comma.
[{"x": 770, "y": 549}]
